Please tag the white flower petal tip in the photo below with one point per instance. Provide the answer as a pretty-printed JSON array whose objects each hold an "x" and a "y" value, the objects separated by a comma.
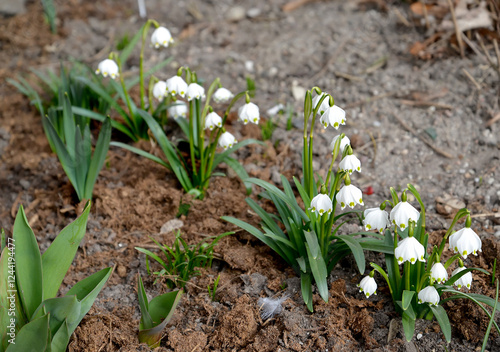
[
  {"x": 429, "y": 295},
  {"x": 249, "y": 113},
  {"x": 161, "y": 37},
  {"x": 321, "y": 204},
  {"x": 343, "y": 143},
  {"x": 368, "y": 286},
  {"x": 464, "y": 281},
  {"x": 324, "y": 105},
  {"x": 177, "y": 85},
  {"x": 107, "y": 68},
  {"x": 213, "y": 120},
  {"x": 227, "y": 140},
  {"x": 160, "y": 90},
  {"x": 195, "y": 91},
  {"x": 409, "y": 250},
  {"x": 350, "y": 163},
  {"x": 222, "y": 95},
  {"x": 376, "y": 219},
  {"x": 402, "y": 213},
  {"x": 178, "y": 110},
  {"x": 465, "y": 242},
  {"x": 439, "y": 273},
  {"x": 333, "y": 116},
  {"x": 349, "y": 195}
]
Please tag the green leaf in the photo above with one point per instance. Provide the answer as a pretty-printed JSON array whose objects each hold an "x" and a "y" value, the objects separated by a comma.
[
  {"x": 317, "y": 263},
  {"x": 240, "y": 171},
  {"x": 146, "y": 320},
  {"x": 59, "y": 309},
  {"x": 81, "y": 166},
  {"x": 135, "y": 79},
  {"x": 97, "y": 162},
  {"x": 61, "y": 338},
  {"x": 68, "y": 124},
  {"x": 58, "y": 257},
  {"x": 443, "y": 321},
  {"x": 407, "y": 297},
  {"x": 408, "y": 326},
  {"x": 28, "y": 264},
  {"x": 492, "y": 318},
  {"x": 306, "y": 289},
  {"x": 356, "y": 250},
  {"x": 124, "y": 55},
  {"x": 220, "y": 157},
  {"x": 33, "y": 337},
  {"x": 141, "y": 153},
  {"x": 99, "y": 117}
]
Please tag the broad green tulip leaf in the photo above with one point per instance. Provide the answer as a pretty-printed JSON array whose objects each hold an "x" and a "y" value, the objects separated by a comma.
[
  {"x": 33, "y": 337},
  {"x": 61, "y": 338}
]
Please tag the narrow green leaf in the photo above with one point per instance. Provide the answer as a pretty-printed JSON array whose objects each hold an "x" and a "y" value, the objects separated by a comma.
[
  {"x": 99, "y": 117},
  {"x": 124, "y": 55},
  {"x": 80, "y": 166},
  {"x": 306, "y": 289},
  {"x": 492, "y": 320},
  {"x": 135, "y": 79},
  {"x": 99, "y": 157},
  {"x": 146, "y": 320},
  {"x": 443, "y": 321},
  {"x": 317, "y": 263},
  {"x": 141, "y": 153},
  {"x": 69, "y": 125},
  {"x": 407, "y": 297},
  {"x": 240, "y": 171},
  {"x": 356, "y": 250}
]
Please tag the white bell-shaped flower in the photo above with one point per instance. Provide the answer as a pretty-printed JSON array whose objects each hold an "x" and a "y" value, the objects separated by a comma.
[
  {"x": 324, "y": 105},
  {"x": 334, "y": 116},
  {"x": 213, "y": 120},
  {"x": 195, "y": 91},
  {"x": 178, "y": 110},
  {"x": 429, "y": 295},
  {"x": 465, "y": 242},
  {"x": 177, "y": 85},
  {"x": 465, "y": 280},
  {"x": 321, "y": 204},
  {"x": 227, "y": 140},
  {"x": 402, "y": 213},
  {"x": 344, "y": 142},
  {"x": 439, "y": 273},
  {"x": 249, "y": 113},
  {"x": 409, "y": 250},
  {"x": 350, "y": 163},
  {"x": 160, "y": 90},
  {"x": 376, "y": 219},
  {"x": 107, "y": 68},
  {"x": 222, "y": 95},
  {"x": 349, "y": 195},
  {"x": 161, "y": 37},
  {"x": 368, "y": 285}
]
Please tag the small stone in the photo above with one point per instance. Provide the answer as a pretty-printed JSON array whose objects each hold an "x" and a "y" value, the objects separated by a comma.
[
  {"x": 12, "y": 7},
  {"x": 25, "y": 183},
  {"x": 298, "y": 92},
  {"x": 121, "y": 271},
  {"x": 171, "y": 225},
  {"x": 419, "y": 336},
  {"x": 254, "y": 12},
  {"x": 273, "y": 71},
  {"x": 235, "y": 14},
  {"x": 249, "y": 66}
]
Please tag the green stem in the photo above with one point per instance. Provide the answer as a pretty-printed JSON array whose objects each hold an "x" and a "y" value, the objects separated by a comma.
[
  {"x": 407, "y": 275},
  {"x": 127, "y": 98},
  {"x": 191, "y": 137}
]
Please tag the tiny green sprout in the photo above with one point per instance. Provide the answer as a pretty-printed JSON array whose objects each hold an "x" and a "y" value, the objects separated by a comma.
[{"x": 213, "y": 290}]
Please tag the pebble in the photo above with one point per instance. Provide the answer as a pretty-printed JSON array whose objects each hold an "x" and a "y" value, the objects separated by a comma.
[
  {"x": 254, "y": 12},
  {"x": 249, "y": 65},
  {"x": 235, "y": 14},
  {"x": 171, "y": 225},
  {"x": 12, "y": 7},
  {"x": 25, "y": 183}
]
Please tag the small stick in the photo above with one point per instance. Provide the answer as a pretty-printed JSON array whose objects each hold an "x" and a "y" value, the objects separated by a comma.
[
  {"x": 401, "y": 17},
  {"x": 457, "y": 30},
  {"x": 493, "y": 120},
  {"x": 348, "y": 76},
  {"x": 371, "y": 99},
  {"x": 424, "y": 8},
  {"x": 469, "y": 76},
  {"x": 426, "y": 103}
]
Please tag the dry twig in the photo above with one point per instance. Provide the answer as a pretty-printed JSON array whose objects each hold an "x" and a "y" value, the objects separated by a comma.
[{"x": 457, "y": 30}]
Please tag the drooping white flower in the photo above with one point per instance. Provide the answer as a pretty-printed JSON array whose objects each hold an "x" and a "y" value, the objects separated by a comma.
[
  {"x": 321, "y": 204},
  {"x": 376, "y": 219},
  {"x": 368, "y": 285},
  {"x": 409, "y": 250},
  {"x": 350, "y": 163},
  {"x": 213, "y": 120},
  {"x": 334, "y": 116},
  {"x": 249, "y": 113},
  {"x": 465, "y": 242},
  {"x": 344, "y": 142},
  {"x": 195, "y": 91},
  {"x": 429, "y": 295},
  {"x": 227, "y": 140},
  {"x": 349, "y": 195},
  {"x": 439, "y": 273},
  {"x": 402, "y": 213},
  {"x": 161, "y": 37},
  {"x": 107, "y": 68},
  {"x": 177, "y": 85},
  {"x": 160, "y": 90},
  {"x": 178, "y": 110},
  {"x": 324, "y": 105},
  {"x": 465, "y": 280},
  {"x": 222, "y": 95}
]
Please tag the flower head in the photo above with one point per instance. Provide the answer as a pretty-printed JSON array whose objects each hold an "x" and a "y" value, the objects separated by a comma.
[
  {"x": 465, "y": 280},
  {"x": 465, "y": 242},
  {"x": 334, "y": 116},
  {"x": 178, "y": 110},
  {"x": 195, "y": 91},
  {"x": 429, "y": 295},
  {"x": 161, "y": 37},
  {"x": 409, "y": 250},
  {"x": 349, "y": 195},
  {"x": 368, "y": 285},
  {"x": 213, "y": 120},
  {"x": 160, "y": 90},
  {"x": 107, "y": 68},
  {"x": 222, "y": 95},
  {"x": 227, "y": 140},
  {"x": 177, "y": 85},
  {"x": 376, "y": 219},
  {"x": 249, "y": 113},
  {"x": 344, "y": 142},
  {"x": 402, "y": 213},
  {"x": 324, "y": 105},
  {"x": 350, "y": 163},
  {"x": 439, "y": 273},
  {"x": 321, "y": 204}
]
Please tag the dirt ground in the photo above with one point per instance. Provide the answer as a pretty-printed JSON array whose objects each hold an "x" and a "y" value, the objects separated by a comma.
[{"x": 419, "y": 114}]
